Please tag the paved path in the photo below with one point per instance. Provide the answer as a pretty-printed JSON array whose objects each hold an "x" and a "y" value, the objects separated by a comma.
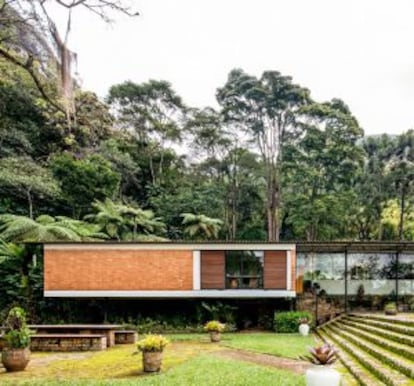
[{"x": 293, "y": 365}]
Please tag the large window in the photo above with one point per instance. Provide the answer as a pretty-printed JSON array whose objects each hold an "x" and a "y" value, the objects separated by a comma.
[
  {"x": 326, "y": 269},
  {"x": 406, "y": 275},
  {"x": 372, "y": 274},
  {"x": 244, "y": 269}
]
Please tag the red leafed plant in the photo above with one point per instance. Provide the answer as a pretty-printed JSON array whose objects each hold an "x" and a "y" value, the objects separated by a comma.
[{"x": 321, "y": 355}]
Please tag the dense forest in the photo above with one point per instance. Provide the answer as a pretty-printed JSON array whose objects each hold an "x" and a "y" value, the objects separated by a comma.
[{"x": 269, "y": 163}]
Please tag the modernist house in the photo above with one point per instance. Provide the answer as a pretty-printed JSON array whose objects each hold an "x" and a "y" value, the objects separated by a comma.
[
  {"x": 353, "y": 274},
  {"x": 170, "y": 270}
]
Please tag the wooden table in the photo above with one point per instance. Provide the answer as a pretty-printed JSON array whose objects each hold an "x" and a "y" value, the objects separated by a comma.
[{"x": 105, "y": 329}]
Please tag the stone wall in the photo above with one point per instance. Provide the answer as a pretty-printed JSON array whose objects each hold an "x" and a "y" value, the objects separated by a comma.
[
  {"x": 48, "y": 342},
  {"x": 328, "y": 308}
]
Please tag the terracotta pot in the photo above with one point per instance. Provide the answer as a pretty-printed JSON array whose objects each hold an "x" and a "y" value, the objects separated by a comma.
[
  {"x": 391, "y": 312},
  {"x": 322, "y": 376},
  {"x": 15, "y": 359},
  {"x": 215, "y": 336},
  {"x": 304, "y": 329},
  {"x": 151, "y": 361}
]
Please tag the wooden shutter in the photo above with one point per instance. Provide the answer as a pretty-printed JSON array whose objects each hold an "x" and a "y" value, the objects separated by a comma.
[
  {"x": 275, "y": 270},
  {"x": 212, "y": 270}
]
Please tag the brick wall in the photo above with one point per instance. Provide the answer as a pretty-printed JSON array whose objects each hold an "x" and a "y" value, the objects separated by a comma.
[{"x": 111, "y": 269}]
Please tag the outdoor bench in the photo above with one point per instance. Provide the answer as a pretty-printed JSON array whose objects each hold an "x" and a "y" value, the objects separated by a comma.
[
  {"x": 100, "y": 329},
  {"x": 125, "y": 336},
  {"x": 68, "y": 342}
]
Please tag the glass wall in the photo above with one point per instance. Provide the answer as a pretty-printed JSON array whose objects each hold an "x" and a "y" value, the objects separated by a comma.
[
  {"x": 325, "y": 269},
  {"x": 371, "y": 279},
  {"x": 406, "y": 281}
]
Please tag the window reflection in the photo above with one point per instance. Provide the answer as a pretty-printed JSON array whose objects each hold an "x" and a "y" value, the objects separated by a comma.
[
  {"x": 371, "y": 278},
  {"x": 406, "y": 279},
  {"x": 327, "y": 269},
  {"x": 372, "y": 274}
]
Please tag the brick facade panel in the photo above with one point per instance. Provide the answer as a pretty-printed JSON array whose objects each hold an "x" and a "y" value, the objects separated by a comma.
[{"x": 102, "y": 269}]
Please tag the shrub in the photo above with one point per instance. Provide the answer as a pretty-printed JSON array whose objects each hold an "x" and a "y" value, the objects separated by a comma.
[
  {"x": 152, "y": 343},
  {"x": 288, "y": 322},
  {"x": 214, "y": 326},
  {"x": 390, "y": 308}
]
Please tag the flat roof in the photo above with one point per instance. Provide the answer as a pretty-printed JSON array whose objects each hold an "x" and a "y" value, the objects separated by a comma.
[{"x": 301, "y": 246}]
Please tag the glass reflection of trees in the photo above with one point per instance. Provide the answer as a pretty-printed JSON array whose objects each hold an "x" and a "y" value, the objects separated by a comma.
[
  {"x": 406, "y": 267},
  {"x": 322, "y": 266},
  {"x": 372, "y": 266}
]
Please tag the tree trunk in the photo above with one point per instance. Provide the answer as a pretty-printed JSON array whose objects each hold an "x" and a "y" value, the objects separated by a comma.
[
  {"x": 29, "y": 199},
  {"x": 273, "y": 206},
  {"x": 402, "y": 208}
]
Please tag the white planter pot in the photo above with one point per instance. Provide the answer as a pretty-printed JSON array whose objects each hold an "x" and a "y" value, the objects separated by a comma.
[
  {"x": 304, "y": 329},
  {"x": 322, "y": 376}
]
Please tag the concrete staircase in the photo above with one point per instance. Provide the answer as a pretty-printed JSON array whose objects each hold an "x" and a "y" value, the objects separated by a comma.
[{"x": 376, "y": 349}]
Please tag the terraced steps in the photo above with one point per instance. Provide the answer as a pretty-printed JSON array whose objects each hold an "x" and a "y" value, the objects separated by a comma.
[
  {"x": 385, "y": 324},
  {"x": 377, "y": 350},
  {"x": 395, "y": 336}
]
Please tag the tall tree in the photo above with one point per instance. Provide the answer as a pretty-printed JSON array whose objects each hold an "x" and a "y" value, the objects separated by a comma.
[
  {"x": 266, "y": 110},
  {"x": 400, "y": 169},
  {"x": 153, "y": 111},
  {"x": 31, "y": 40},
  {"x": 320, "y": 169}
]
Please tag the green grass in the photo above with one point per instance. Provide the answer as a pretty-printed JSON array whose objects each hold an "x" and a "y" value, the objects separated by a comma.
[
  {"x": 188, "y": 360},
  {"x": 283, "y": 345},
  {"x": 201, "y": 370}
]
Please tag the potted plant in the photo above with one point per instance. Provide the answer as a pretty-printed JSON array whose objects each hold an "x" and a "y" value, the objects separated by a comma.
[
  {"x": 152, "y": 347},
  {"x": 16, "y": 353},
  {"x": 214, "y": 328},
  {"x": 322, "y": 374},
  {"x": 390, "y": 308},
  {"x": 304, "y": 326}
]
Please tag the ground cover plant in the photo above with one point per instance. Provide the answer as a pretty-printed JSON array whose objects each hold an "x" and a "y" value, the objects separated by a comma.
[{"x": 187, "y": 361}]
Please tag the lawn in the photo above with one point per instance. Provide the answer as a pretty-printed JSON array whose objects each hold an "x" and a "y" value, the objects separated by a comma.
[
  {"x": 283, "y": 345},
  {"x": 190, "y": 359}
]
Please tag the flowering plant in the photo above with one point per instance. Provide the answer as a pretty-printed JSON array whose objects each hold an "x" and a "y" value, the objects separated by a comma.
[
  {"x": 214, "y": 326},
  {"x": 152, "y": 343}
]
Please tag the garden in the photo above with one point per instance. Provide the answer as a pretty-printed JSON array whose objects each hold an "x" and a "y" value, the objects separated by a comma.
[
  {"x": 215, "y": 357},
  {"x": 189, "y": 359}
]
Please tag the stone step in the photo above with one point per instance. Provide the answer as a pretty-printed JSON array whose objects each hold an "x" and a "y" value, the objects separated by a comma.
[
  {"x": 385, "y": 325},
  {"x": 385, "y": 333},
  {"x": 397, "y": 362},
  {"x": 384, "y": 373},
  {"x": 397, "y": 348},
  {"x": 405, "y": 320},
  {"x": 358, "y": 371}
]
